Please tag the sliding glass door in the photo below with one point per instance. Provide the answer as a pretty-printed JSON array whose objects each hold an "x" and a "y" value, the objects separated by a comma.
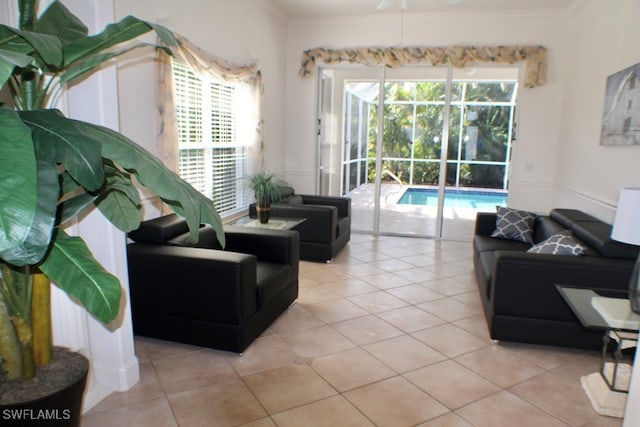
[
  {"x": 360, "y": 90},
  {"x": 415, "y": 111},
  {"x": 422, "y": 148}
]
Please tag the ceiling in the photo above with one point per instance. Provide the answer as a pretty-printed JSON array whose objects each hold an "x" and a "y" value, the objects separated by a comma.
[{"x": 332, "y": 8}]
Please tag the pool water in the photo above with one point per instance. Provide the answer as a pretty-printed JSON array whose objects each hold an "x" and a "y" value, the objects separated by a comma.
[{"x": 481, "y": 200}]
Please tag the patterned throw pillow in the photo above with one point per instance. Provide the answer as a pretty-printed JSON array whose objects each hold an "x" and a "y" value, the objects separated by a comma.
[
  {"x": 559, "y": 244},
  {"x": 513, "y": 224}
]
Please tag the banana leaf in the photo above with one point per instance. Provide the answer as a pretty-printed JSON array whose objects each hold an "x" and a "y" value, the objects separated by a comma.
[
  {"x": 71, "y": 265},
  {"x": 9, "y": 60},
  {"x": 18, "y": 181},
  {"x": 58, "y": 21},
  {"x": 58, "y": 139},
  {"x": 89, "y": 65},
  {"x": 48, "y": 47},
  {"x": 124, "y": 30},
  {"x": 35, "y": 246},
  {"x": 155, "y": 176},
  {"x": 121, "y": 202}
]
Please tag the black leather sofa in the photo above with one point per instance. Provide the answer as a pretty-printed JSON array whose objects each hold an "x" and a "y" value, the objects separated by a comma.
[
  {"x": 327, "y": 226},
  {"x": 202, "y": 295},
  {"x": 521, "y": 302}
]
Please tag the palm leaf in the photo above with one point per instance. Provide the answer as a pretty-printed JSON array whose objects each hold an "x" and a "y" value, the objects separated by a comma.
[
  {"x": 155, "y": 176},
  {"x": 121, "y": 181},
  {"x": 120, "y": 210},
  {"x": 18, "y": 181},
  {"x": 27, "y": 12},
  {"x": 164, "y": 34},
  {"x": 37, "y": 242},
  {"x": 9, "y": 40},
  {"x": 89, "y": 65},
  {"x": 58, "y": 139},
  {"x": 124, "y": 30},
  {"x": 58, "y": 21},
  {"x": 73, "y": 268},
  {"x": 75, "y": 206},
  {"x": 8, "y": 61},
  {"x": 49, "y": 48},
  {"x": 121, "y": 203}
]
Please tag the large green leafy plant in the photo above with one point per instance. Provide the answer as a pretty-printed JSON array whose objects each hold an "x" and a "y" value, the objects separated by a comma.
[{"x": 54, "y": 169}]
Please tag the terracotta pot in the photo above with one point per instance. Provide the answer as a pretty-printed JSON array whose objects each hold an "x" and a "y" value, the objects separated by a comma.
[
  {"x": 58, "y": 408},
  {"x": 263, "y": 213}
]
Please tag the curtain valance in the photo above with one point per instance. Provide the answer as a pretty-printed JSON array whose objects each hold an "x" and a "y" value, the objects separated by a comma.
[
  {"x": 534, "y": 57},
  {"x": 202, "y": 62}
]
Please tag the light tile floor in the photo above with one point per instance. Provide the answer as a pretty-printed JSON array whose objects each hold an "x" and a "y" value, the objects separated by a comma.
[{"x": 391, "y": 333}]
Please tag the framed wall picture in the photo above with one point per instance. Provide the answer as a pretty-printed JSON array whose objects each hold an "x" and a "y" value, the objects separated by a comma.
[{"x": 621, "y": 116}]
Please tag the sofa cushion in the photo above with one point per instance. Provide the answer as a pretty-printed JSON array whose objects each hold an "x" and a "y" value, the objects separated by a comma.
[
  {"x": 561, "y": 243},
  {"x": 597, "y": 235},
  {"x": 490, "y": 244},
  {"x": 568, "y": 217},
  {"x": 514, "y": 224},
  {"x": 546, "y": 227},
  {"x": 207, "y": 239},
  {"x": 271, "y": 280},
  {"x": 159, "y": 230}
]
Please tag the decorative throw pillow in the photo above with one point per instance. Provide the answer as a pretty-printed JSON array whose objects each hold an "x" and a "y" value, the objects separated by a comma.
[
  {"x": 561, "y": 243},
  {"x": 514, "y": 224}
]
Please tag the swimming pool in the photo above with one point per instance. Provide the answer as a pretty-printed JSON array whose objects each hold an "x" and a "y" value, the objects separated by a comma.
[{"x": 481, "y": 200}]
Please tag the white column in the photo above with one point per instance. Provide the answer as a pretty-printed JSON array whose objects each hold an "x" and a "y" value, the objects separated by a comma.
[{"x": 114, "y": 366}]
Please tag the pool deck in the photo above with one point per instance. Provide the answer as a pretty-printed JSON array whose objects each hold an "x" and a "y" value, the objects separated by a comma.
[{"x": 404, "y": 219}]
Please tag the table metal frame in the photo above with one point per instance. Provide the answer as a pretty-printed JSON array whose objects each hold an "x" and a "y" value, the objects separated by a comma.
[{"x": 579, "y": 299}]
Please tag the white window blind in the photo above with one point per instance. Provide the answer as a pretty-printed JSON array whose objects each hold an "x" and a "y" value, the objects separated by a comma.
[{"x": 211, "y": 117}]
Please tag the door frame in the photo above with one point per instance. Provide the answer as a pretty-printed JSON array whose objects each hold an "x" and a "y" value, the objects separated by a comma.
[{"x": 343, "y": 73}]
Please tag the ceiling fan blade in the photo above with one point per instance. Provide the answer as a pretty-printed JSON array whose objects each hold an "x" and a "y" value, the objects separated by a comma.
[{"x": 385, "y": 4}]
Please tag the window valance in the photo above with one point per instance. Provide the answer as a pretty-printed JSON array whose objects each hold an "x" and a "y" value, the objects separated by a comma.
[
  {"x": 534, "y": 57},
  {"x": 202, "y": 62}
]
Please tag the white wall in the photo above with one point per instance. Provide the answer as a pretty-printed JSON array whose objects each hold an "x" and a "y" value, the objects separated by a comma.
[
  {"x": 240, "y": 31},
  {"x": 603, "y": 39},
  {"x": 540, "y": 109}
]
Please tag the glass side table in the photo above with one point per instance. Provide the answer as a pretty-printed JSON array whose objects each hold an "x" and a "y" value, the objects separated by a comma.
[
  {"x": 606, "y": 310},
  {"x": 275, "y": 223}
]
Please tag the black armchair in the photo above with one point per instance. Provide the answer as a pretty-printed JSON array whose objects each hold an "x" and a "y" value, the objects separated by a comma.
[
  {"x": 202, "y": 295},
  {"x": 327, "y": 227}
]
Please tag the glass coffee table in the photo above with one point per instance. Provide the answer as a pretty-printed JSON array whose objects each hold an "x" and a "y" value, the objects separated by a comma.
[
  {"x": 607, "y": 310},
  {"x": 275, "y": 223}
]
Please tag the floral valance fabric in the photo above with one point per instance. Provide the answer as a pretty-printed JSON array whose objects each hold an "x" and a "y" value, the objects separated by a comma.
[{"x": 534, "y": 57}]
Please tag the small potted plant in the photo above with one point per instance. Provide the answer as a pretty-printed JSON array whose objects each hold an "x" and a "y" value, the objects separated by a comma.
[
  {"x": 267, "y": 189},
  {"x": 53, "y": 169}
]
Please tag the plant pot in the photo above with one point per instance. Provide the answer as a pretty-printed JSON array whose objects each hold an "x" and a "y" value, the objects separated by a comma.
[
  {"x": 53, "y": 398},
  {"x": 263, "y": 213}
]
